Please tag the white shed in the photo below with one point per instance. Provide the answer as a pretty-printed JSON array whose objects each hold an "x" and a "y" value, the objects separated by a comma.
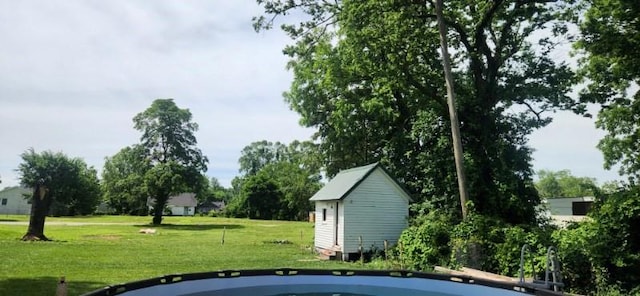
[{"x": 361, "y": 202}]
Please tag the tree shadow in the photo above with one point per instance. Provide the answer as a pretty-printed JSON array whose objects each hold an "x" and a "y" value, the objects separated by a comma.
[
  {"x": 45, "y": 286},
  {"x": 191, "y": 226}
]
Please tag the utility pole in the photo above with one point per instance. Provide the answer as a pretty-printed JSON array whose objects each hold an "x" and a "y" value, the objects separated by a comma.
[{"x": 453, "y": 115}]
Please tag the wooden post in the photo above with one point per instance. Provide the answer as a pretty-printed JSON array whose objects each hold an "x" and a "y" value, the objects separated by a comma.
[
  {"x": 401, "y": 257},
  {"x": 61, "y": 289},
  {"x": 453, "y": 115},
  {"x": 361, "y": 249},
  {"x": 224, "y": 229},
  {"x": 386, "y": 248}
]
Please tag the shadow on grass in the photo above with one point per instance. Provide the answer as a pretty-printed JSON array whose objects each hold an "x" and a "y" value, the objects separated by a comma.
[
  {"x": 191, "y": 226},
  {"x": 45, "y": 286},
  {"x": 8, "y": 220}
]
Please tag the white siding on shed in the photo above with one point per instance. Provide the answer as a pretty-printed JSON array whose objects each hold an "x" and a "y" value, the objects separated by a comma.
[
  {"x": 377, "y": 210},
  {"x": 13, "y": 201},
  {"x": 325, "y": 229}
]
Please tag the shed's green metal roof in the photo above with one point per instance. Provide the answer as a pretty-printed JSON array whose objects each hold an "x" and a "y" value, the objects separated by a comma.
[{"x": 340, "y": 186}]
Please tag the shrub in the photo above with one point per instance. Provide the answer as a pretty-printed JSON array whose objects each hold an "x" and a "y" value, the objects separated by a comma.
[
  {"x": 427, "y": 244},
  {"x": 603, "y": 255}
]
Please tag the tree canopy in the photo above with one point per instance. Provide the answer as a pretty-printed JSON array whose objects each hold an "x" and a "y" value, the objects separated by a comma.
[
  {"x": 57, "y": 179},
  {"x": 611, "y": 38},
  {"x": 368, "y": 76},
  {"x": 293, "y": 169},
  {"x": 169, "y": 143},
  {"x": 123, "y": 181},
  {"x": 562, "y": 184}
]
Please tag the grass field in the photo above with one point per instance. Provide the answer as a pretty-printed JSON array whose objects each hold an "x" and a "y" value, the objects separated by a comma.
[{"x": 93, "y": 252}]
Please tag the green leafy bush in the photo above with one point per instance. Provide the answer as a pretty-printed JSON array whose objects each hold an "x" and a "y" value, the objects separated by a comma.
[
  {"x": 426, "y": 244},
  {"x": 602, "y": 255}
]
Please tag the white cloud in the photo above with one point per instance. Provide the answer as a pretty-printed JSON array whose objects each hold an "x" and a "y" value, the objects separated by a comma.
[{"x": 75, "y": 72}]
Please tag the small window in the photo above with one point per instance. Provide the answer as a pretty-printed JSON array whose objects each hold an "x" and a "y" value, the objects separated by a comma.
[
  {"x": 324, "y": 214},
  {"x": 4, "y": 201}
]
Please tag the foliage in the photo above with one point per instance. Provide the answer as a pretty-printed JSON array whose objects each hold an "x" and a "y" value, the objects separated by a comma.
[
  {"x": 563, "y": 184},
  {"x": 610, "y": 37},
  {"x": 603, "y": 252},
  {"x": 426, "y": 243},
  {"x": 72, "y": 185},
  {"x": 218, "y": 192},
  {"x": 259, "y": 154},
  {"x": 169, "y": 135},
  {"x": 367, "y": 75},
  {"x": 57, "y": 179},
  {"x": 123, "y": 181},
  {"x": 170, "y": 146},
  {"x": 261, "y": 197},
  {"x": 82, "y": 197},
  {"x": 297, "y": 186},
  {"x": 293, "y": 168}
]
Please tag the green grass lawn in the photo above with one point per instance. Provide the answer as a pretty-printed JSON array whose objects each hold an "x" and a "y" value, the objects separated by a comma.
[{"x": 93, "y": 256}]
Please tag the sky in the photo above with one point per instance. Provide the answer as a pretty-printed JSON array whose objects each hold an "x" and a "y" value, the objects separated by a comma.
[{"x": 74, "y": 73}]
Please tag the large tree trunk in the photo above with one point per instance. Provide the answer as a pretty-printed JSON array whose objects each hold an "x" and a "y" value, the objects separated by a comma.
[
  {"x": 40, "y": 203},
  {"x": 158, "y": 209}
]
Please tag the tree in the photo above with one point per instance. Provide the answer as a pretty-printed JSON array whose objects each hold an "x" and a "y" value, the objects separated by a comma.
[
  {"x": 293, "y": 168},
  {"x": 258, "y": 154},
  {"x": 297, "y": 186},
  {"x": 367, "y": 75},
  {"x": 563, "y": 184},
  {"x": 170, "y": 146},
  {"x": 219, "y": 192},
  {"x": 56, "y": 177},
  {"x": 261, "y": 197},
  {"x": 83, "y": 197},
  {"x": 123, "y": 181},
  {"x": 610, "y": 38}
]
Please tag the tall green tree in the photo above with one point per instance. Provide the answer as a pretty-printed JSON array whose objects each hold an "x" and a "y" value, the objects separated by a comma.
[
  {"x": 611, "y": 38},
  {"x": 259, "y": 154},
  {"x": 261, "y": 197},
  {"x": 297, "y": 186},
  {"x": 123, "y": 181},
  {"x": 83, "y": 197},
  {"x": 168, "y": 138},
  {"x": 562, "y": 184},
  {"x": 367, "y": 75},
  {"x": 293, "y": 168},
  {"x": 219, "y": 192},
  {"x": 55, "y": 177}
]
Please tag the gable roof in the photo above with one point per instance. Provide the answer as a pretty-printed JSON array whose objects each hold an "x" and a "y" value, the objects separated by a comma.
[
  {"x": 346, "y": 181},
  {"x": 180, "y": 200}
]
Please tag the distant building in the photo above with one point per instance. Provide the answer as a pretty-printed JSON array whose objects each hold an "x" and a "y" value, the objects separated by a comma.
[
  {"x": 563, "y": 210},
  {"x": 363, "y": 203},
  {"x": 15, "y": 201},
  {"x": 209, "y": 206},
  {"x": 183, "y": 204}
]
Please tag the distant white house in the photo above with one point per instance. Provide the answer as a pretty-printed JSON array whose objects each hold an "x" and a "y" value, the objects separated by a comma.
[
  {"x": 183, "y": 204},
  {"x": 563, "y": 210},
  {"x": 363, "y": 202},
  {"x": 13, "y": 201}
]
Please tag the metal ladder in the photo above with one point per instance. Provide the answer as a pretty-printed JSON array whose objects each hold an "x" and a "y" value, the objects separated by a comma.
[{"x": 552, "y": 269}]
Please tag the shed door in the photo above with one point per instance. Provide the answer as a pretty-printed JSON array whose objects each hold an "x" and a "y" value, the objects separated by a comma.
[{"x": 337, "y": 223}]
